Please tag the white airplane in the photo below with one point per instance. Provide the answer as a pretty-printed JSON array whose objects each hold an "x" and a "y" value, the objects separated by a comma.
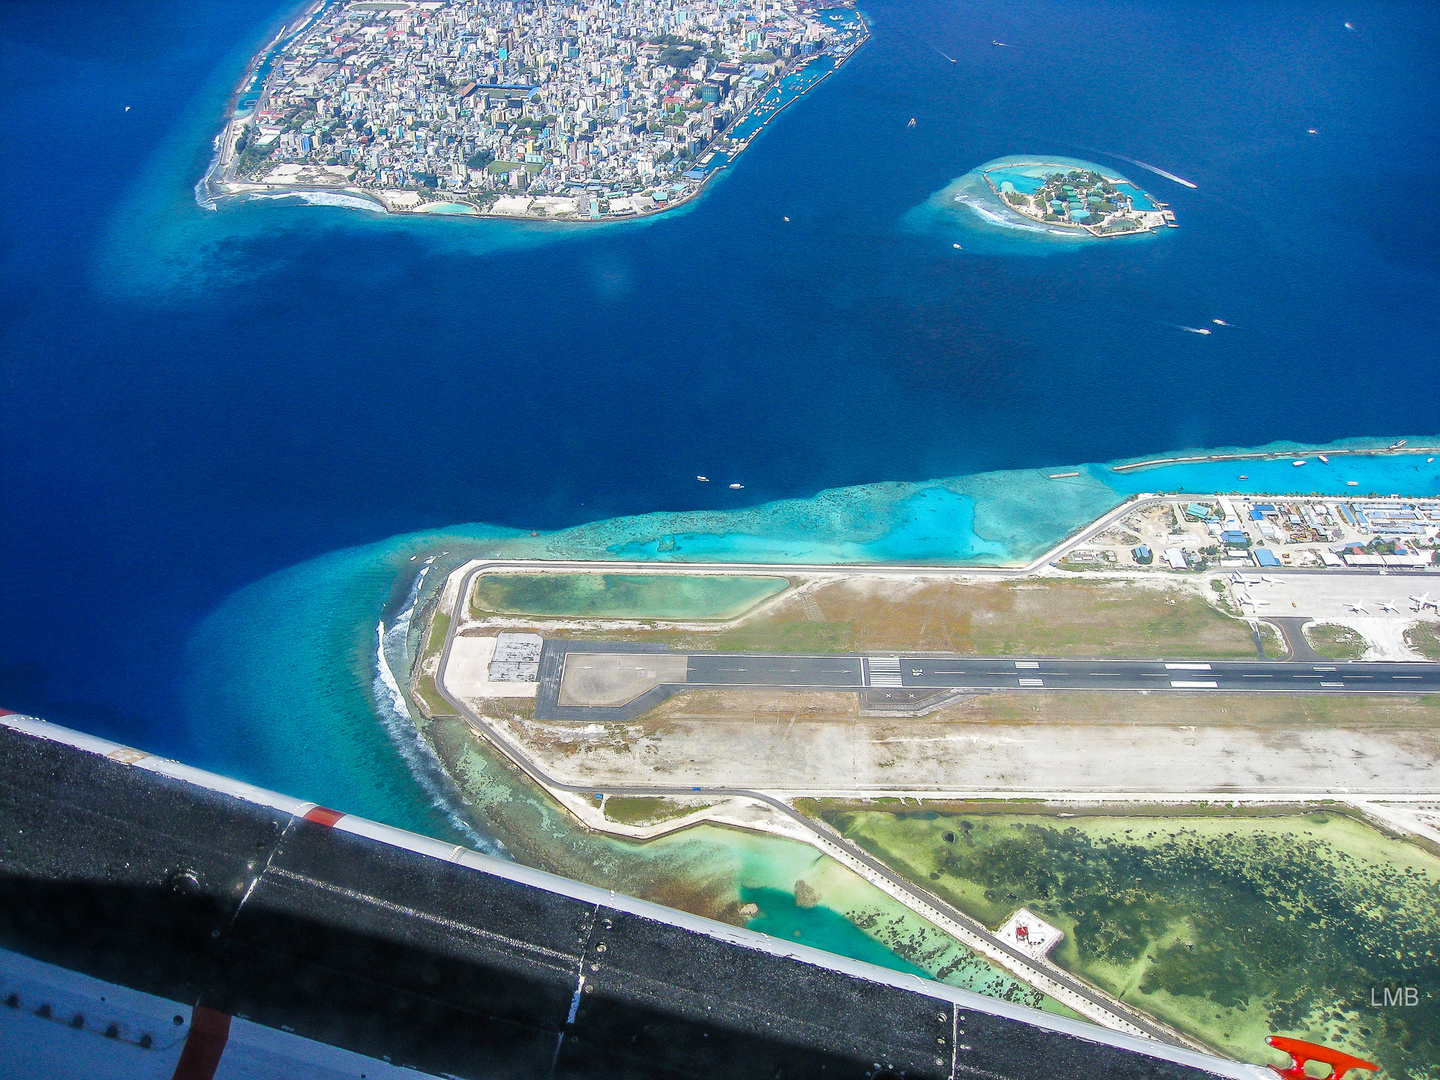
[
  {"x": 1239, "y": 579},
  {"x": 1389, "y": 607},
  {"x": 1422, "y": 601},
  {"x": 1359, "y": 609},
  {"x": 1246, "y": 601},
  {"x": 1269, "y": 580}
]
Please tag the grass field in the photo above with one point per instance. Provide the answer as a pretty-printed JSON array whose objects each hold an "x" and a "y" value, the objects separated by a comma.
[
  {"x": 1051, "y": 618},
  {"x": 1335, "y": 642},
  {"x": 1424, "y": 638},
  {"x": 1228, "y": 927},
  {"x": 647, "y": 810}
]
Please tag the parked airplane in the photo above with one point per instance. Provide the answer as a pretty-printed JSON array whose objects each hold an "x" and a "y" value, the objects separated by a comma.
[
  {"x": 1422, "y": 601},
  {"x": 1359, "y": 609},
  {"x": 1391, "y": 606}
]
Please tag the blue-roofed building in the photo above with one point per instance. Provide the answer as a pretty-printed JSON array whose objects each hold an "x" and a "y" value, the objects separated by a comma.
[
  {"x": 1256, "y": 515},
  {"x": 1143, "y": 555},
  {"x": 1234, "y": 537},
  {"x": 1266, "y": 508},
  {"x": 1265, "y": 557}
]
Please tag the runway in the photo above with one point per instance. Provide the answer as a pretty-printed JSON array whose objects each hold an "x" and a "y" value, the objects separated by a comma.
[{"x": 1039, "y": 673}]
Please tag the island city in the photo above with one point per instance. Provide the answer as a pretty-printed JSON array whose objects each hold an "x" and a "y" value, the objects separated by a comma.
[{"x": 569, "y": 111}]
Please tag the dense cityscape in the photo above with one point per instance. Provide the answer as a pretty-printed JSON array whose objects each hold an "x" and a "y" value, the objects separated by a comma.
[{"x": 547, "y": 109}]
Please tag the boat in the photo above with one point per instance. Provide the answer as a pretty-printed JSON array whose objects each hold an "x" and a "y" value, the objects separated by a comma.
[
  {"x": 1323, "y": 458},
  {"x": 1300, "y": 462},
  {"x": 911, "y": 123},
  {"x": 1397, "y": 445},
  {"x": 736, "y": 487},
  {"x": 1242, "y": 476},
  {"x": 703, "y": 479},
  {"x": 1352, "y": 483}
]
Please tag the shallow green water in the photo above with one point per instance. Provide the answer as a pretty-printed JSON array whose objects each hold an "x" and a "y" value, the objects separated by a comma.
[
  {"x": 624, "y": 596},
  {"x": 819, "y": 927}
]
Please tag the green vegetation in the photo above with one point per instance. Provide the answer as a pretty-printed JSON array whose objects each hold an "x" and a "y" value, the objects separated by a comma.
[
  {"x": 423, "y": 688},
  {"x": 801, "y": 637},
  {"x": 623, "y": 596},
  {"x": 1096, "y": 618},
  {"x": 1230, "y": 928},
  {"x": 677, "y": 52},
  {"x": 1424, "y": 638},
  {"x": 645, "y": 810},
  {"x": 1335, "y": 642}
]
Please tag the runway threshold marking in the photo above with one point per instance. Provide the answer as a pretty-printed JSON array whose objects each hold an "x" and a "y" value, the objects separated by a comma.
[
  {"x": 1195, "y": 684},
  {"x": 1032, "y": 682},
  {"x": 1187, "y": 667}
]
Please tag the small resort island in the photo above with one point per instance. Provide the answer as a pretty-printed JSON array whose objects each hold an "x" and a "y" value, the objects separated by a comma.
[
  {"x": 1076, "y": 195},
  {"x": 541, "y": 110}
]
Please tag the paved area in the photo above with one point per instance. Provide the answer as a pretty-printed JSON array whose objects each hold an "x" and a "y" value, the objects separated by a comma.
[
  {"x": 1292, "y": 629},
  {"x": 617, "y": 678},
  {"x": 599, "y": 681},
  {"x": 467, "y": 672}
]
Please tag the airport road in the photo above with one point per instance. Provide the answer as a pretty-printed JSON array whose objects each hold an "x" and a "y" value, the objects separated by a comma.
[{"x": 1038, "y": 673}]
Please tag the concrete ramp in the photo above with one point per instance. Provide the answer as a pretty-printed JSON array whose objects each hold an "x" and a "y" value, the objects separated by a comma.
[{"x": 614, "y": 679}]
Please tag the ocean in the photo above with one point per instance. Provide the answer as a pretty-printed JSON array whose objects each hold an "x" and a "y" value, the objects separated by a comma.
[{"x": 224, "y": 434}]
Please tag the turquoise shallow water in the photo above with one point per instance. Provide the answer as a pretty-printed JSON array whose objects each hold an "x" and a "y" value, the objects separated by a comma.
[
  {"x": 820, "y": 928},
  {"x": 969, "y": 213}
]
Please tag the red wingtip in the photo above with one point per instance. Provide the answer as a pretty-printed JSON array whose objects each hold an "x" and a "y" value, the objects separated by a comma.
[
  {"x": 323, "y": 815},
  {"x": 1302, "y": 1052}
]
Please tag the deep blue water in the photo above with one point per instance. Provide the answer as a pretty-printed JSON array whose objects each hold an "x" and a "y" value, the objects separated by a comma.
[{"x": 194, "y": 401}]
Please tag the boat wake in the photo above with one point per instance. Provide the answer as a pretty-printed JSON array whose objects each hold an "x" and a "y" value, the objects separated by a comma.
[{"x": 1156, "y": 170}]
